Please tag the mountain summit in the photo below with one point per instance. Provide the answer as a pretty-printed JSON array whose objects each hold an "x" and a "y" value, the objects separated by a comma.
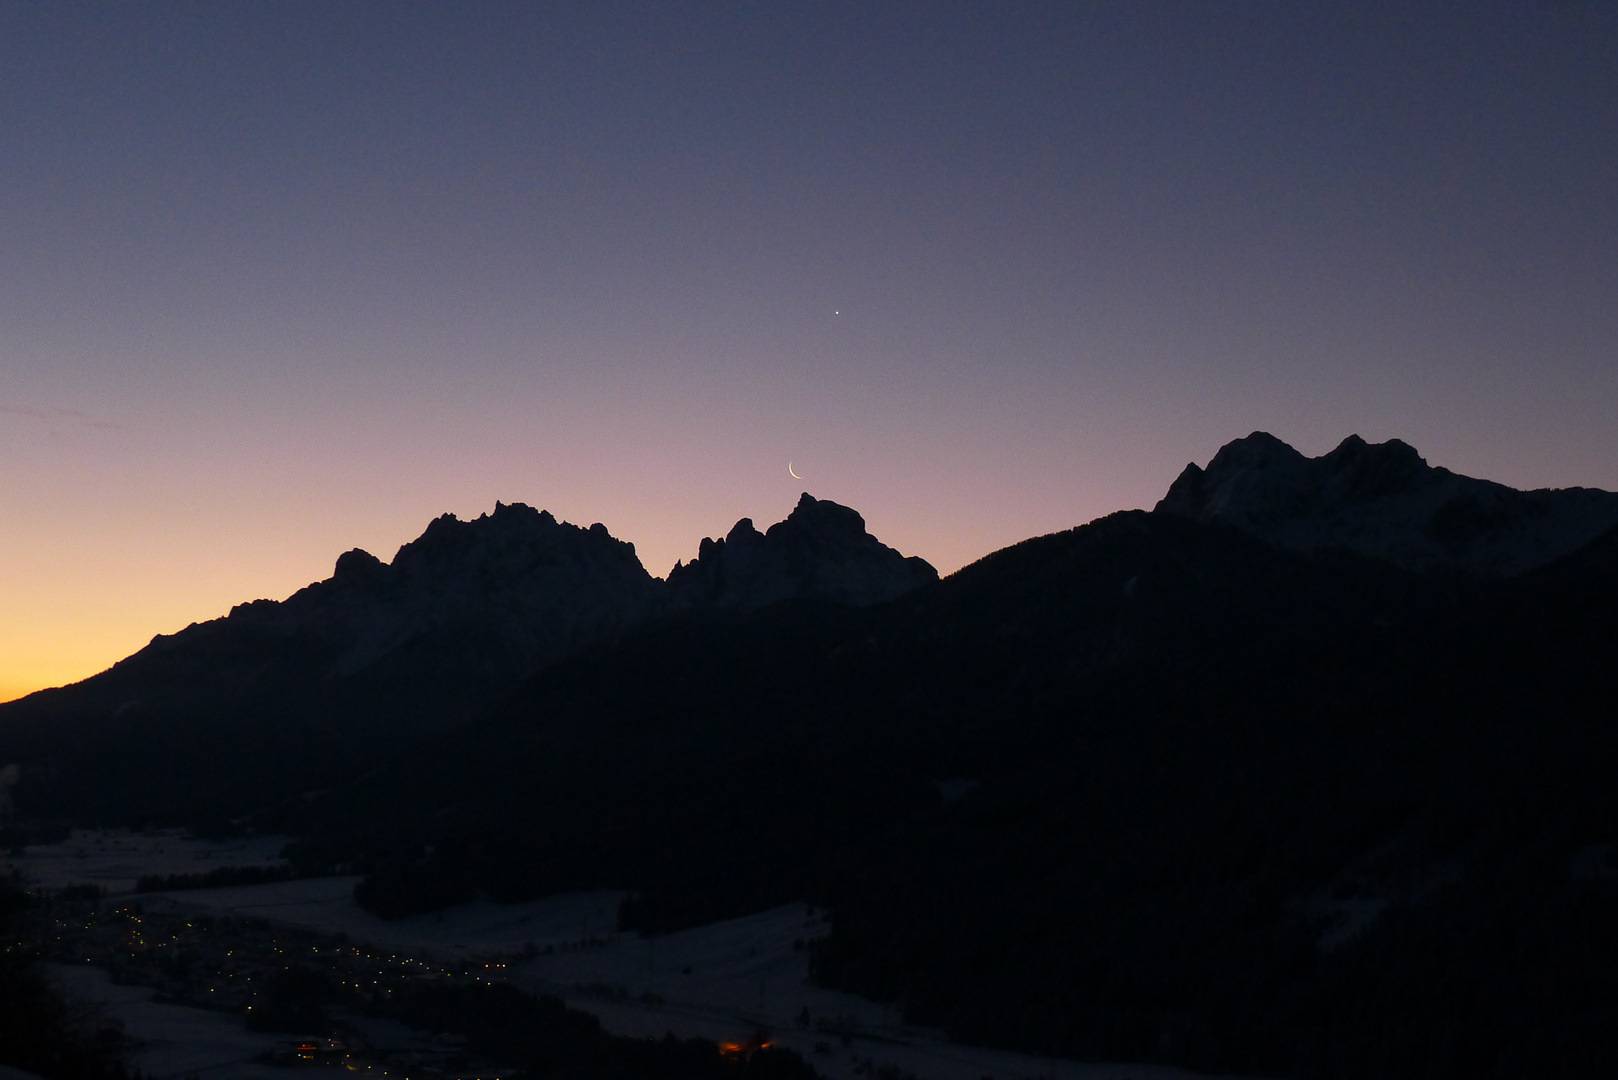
[
  {"x": 1384, "y": 501},
  {"x": 289, "y": 694},
  {"x": 821, "y": 551},
  {"x": 518, "y": 585}
]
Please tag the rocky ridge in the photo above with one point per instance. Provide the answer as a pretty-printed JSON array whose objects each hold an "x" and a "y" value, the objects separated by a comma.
[
  {"x": 470, "y": 608},
  {"x": 290, "y": 695},
  {"x": 538, "y": 586},
  {"x": 1383, "y": 500},
  {"x": 820, "y": 551}
]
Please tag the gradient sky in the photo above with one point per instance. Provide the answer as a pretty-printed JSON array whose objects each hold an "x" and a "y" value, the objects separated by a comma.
[{"x": 282, "y": 279}]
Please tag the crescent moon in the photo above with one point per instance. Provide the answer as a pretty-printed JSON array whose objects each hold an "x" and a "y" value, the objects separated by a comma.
[{"x": 795, "y": 476}]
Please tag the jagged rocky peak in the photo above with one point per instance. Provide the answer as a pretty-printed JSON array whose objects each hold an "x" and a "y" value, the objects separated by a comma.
[
  {"x": 457, "y": 562},
  {"x": 514, "y": 540},
  {"x": 533, "y": 587},
  {"x": 1385, "y": 501},
  {"x": 821, "y": 551}
]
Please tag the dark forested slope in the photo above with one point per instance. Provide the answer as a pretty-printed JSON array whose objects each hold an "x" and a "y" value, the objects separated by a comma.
[{"x": 1149, "y": 788}]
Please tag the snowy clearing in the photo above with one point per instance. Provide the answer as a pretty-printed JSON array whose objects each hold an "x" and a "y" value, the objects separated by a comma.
[{"x": 725, "y": 981}]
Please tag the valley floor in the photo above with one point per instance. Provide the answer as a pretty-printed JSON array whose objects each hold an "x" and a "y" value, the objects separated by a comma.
[{"x": 729, "y": 981}]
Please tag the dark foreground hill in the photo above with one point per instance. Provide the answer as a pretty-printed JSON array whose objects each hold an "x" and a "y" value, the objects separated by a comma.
[{"x": 1153, "y": 788}]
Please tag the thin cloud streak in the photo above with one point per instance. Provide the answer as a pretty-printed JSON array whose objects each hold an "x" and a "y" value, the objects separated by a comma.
[{"x": 74, "y": 416}]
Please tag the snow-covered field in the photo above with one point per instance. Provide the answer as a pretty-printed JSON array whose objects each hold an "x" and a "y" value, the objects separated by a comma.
[
  {"x": 724, "y": 981},
  {"x": 115, "y": 858},
  {"x": 173, "y": 1040},
  {"x": 476, "y": 930}
]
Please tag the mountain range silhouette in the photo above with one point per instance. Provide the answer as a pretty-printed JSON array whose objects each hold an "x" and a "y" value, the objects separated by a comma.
[
  {"x": 1309, "y": 771},
  {"x": 381, "y": 654}
]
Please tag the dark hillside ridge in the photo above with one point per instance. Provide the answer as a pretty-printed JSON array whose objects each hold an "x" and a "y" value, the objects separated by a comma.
[
  {"x": 778, "y": 723},
  {"x": 1383, "y": 501},
  {"x": 1235, "y": 808},
  {"x": 281, "y": 696}
]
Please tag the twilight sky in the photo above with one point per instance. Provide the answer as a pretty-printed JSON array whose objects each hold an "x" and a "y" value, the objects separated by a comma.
[{"x": 282, "y": 279}]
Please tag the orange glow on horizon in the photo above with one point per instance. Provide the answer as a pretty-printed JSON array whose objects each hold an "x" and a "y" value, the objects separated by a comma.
[{"x": 75, "y": 607}]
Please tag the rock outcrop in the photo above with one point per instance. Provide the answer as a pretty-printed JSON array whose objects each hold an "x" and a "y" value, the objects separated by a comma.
[
  {"x": 1384, "y": 501},
  {"x": 535, "y": 587},
  {"x": 820, "y": 551}
]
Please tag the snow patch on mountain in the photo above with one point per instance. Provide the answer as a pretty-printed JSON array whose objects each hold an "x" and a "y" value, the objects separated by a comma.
[{"x": 1383, "y": 500}]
